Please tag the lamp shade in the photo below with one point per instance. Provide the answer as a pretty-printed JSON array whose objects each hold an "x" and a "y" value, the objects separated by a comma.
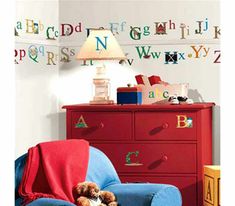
[{"x": 101, "y": 45}]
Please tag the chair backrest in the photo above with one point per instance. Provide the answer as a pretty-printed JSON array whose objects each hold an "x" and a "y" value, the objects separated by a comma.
[{"x": 100, "y": 170}]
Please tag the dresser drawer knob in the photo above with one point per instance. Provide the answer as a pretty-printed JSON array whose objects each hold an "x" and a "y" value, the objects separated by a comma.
[
  {"x": 164, "y": 158},
  {"x": 101, "y": 125},
  {"x": 165, "y": 125}
]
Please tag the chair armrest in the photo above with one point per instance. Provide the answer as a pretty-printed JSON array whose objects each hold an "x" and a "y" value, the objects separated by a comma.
[
  {"x": 19, "y": 169},
  {"x": 50, "y": 202},
  {"x": 136, "y": 194}
]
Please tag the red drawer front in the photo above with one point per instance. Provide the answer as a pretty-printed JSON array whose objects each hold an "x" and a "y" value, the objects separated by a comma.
[
  {"x": 165, "y": 125},
  {"x": 186, "y": 185},
  {"x": 151, "y": 158},
  {"x": 102, "y": 125}
]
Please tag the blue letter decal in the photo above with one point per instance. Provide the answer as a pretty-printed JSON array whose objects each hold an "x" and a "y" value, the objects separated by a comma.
[{"x": 104, "y": 45}]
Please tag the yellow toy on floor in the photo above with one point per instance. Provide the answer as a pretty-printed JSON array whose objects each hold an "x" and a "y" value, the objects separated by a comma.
[{"x": 211, "y": 185}]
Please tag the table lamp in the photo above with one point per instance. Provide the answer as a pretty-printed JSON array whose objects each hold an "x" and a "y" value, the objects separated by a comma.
[{"x": 101, "y": 45}]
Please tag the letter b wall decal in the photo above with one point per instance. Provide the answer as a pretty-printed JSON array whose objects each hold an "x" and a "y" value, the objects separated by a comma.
[{"x": 184, "y": 122}]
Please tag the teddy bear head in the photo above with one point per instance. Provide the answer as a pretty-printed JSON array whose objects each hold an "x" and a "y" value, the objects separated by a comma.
[{"x": 87, "y": 189}]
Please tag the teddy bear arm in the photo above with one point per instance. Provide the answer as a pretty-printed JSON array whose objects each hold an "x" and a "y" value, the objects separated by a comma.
[
  {"x": 113, "y": 204},
  {"x": 107, "y": 197}
]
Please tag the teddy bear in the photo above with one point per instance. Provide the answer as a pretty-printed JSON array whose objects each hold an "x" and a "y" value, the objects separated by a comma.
[{"x": 89, "y": 194}]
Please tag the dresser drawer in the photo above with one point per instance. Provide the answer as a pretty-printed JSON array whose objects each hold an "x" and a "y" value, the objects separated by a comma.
[
  {"x": 186, "y": 185},
  {"x": 101, "y": 125},
  {"x": 165, "y": 126},
  {"x": 151, "y": 158}
]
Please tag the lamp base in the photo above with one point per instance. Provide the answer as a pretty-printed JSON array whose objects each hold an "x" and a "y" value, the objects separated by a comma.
[{"x": 102, "y": 102}]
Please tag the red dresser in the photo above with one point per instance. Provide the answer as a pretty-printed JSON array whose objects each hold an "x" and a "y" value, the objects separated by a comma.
[{"x": 150, "y": 143}]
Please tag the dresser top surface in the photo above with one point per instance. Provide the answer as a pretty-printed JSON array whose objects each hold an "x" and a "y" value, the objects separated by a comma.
[{"x": 195, "y": 106}]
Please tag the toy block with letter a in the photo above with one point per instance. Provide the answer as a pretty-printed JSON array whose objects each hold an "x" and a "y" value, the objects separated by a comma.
[{"x": 211, "y": 185}]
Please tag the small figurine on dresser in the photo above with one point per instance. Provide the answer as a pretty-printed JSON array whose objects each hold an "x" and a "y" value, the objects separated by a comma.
[{"x": 175, "y": 99}]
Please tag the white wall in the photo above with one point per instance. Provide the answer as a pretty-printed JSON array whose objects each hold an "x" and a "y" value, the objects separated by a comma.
[
  {"x": 64, "y": 82},
  {"x": 36, "y": 103}
]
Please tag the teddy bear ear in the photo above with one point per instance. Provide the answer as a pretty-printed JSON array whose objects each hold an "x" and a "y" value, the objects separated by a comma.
[
  {"x": 83, "y": 188},
  {"x": 80, "y": 188}
]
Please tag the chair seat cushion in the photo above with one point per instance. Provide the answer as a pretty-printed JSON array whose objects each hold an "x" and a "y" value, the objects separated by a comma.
[{"x": 146, "y": 194}]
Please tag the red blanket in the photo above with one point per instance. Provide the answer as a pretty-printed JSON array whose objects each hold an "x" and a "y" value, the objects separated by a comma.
[{"x": 53, "y": 169}]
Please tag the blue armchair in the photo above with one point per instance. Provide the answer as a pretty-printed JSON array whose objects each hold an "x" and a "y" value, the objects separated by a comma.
[{"x": 102, "y": 172}]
